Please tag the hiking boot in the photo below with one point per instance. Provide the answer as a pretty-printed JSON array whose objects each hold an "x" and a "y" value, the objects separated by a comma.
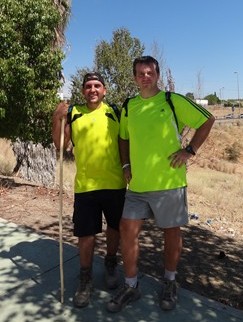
[
  {"x": 124, "y": 296},
  {"x": 169, "y": 295},
  {"x": 111, "y": 272},
  {"x": 83, "y": 293}
]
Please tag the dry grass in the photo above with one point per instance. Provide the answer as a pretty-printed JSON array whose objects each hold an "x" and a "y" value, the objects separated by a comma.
[
  {"x": 215, "y": 194},
  {"x": 215, "y": 184}
]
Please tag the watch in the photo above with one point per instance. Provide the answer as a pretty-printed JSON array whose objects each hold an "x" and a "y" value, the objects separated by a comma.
[{"x": 190, "y": 150}]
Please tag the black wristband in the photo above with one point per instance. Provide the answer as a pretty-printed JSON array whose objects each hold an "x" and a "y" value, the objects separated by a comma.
[{"x": 190, "y": 150}]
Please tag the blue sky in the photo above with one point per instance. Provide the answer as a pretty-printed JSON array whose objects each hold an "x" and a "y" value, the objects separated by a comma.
[{"x": 199, "y": 39}]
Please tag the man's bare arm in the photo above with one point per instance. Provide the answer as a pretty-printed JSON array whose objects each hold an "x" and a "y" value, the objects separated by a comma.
[
  {"x": 180, "y": 157},
  {"x": 202, "y": 133},
  {"x": 125, "y": 159}
]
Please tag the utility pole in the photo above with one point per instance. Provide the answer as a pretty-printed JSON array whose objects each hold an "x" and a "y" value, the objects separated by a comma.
[
  {"x": 238, "y": 89},
  {"x": 221, "y": 95}
]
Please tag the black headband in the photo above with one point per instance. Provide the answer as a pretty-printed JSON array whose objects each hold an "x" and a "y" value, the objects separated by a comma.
[{"x": 93, "y": 76}]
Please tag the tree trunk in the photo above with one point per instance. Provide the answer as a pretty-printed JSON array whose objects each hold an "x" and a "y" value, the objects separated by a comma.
[{"x": 35, "y": 163}]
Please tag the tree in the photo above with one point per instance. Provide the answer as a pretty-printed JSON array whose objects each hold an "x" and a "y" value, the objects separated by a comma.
[
  {"x": 114, "y": 61},
  {"x": 159, "y": 55},
  {"x": 212, "y": 99},
  {"x": 31, "y": 33},
  {"x": 190, "y": 95},
  {"x": 170, "y": 81},
  {"x": 76, "y": 80},
  {"x": 199, "y": 84}
]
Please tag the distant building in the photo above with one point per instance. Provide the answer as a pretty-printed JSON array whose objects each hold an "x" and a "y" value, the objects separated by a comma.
[{"x": 203, "y": 103}]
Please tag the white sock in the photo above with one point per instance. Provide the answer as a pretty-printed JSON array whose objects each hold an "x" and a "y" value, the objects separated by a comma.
[
  {"x": 169, "y": 275},
  {"x": 131, "y": 281}
]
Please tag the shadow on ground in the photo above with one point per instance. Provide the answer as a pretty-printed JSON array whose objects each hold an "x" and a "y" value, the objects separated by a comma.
[
  {"x": 210, "y": 265},
  {"x": 11, "y": 183},
  {"x": 29, "y": 276}
]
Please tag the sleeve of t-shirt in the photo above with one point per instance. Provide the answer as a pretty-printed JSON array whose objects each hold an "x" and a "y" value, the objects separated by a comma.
[{"x": 188, "y": 112}]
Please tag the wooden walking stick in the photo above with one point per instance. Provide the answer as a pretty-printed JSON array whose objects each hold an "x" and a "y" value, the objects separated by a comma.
[{"x": 61, "y": 209}]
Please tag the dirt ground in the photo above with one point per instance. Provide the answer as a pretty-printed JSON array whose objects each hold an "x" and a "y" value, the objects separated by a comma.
[{"x": 212, "y": 259}]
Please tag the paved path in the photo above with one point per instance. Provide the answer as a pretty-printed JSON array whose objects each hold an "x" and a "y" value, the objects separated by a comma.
[{"x": 29, "y": 287}]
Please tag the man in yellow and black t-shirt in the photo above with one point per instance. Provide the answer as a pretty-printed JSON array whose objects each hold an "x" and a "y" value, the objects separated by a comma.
[
  {"x": 99, "y": 182},
  {"x": 154, "y": 165}
]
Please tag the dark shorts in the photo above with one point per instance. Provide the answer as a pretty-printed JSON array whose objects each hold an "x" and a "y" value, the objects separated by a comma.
[{"x": 90, "y": 206}]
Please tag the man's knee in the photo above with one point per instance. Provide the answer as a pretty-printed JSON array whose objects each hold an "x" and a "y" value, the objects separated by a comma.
[{"x": 129, "y": 228}]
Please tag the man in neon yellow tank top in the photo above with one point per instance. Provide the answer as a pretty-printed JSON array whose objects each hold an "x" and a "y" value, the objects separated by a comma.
[
  {"x": 154, "y": 166},
  {"x": 99, "y": 183}
]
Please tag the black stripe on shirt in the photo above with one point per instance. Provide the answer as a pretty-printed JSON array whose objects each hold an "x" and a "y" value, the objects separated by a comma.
[{"x": 201, "y": 109}]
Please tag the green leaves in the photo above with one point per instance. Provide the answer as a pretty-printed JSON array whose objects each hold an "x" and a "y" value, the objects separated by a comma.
[
  {"x": 114, "y": 61},
  {"x": 30, "y": 63}
]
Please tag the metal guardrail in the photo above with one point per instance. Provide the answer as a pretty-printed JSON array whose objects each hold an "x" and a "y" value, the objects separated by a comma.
[{"x": 229, "y": 119}]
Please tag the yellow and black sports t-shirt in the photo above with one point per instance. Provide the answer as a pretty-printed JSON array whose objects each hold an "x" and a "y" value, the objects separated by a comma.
[
  {"x": 153, "y": 136},
  {"x": 95, "y": 139}
]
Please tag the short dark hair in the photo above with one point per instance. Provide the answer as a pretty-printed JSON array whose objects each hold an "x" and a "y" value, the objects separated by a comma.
[
  {"x": 93, "y": 76},
  {"x": 145, "y": 60}
]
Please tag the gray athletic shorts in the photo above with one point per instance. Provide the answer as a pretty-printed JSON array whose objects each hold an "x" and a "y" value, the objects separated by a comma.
[{"x": 167, "y": 207}]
